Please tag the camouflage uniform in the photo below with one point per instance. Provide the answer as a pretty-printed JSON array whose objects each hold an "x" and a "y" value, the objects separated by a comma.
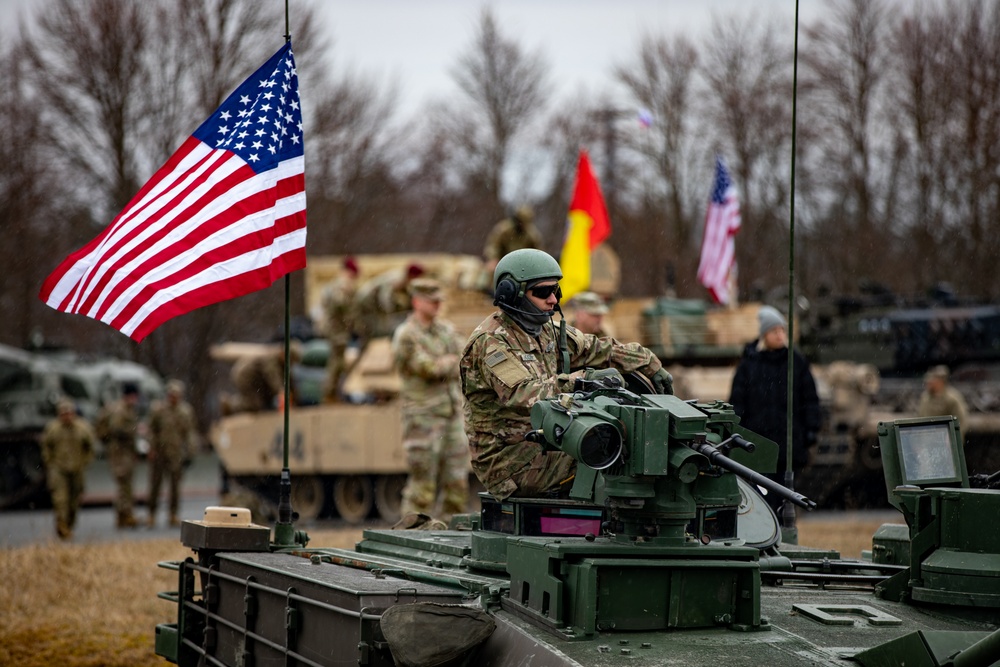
[
  {"x": 504, "y": 372},
  {"x": 507, "y": 236},
  {"x": 171, "y": 435},
  {"x": 436, "y": 447},
  {"x": 259, "y": 381},
  {"x": 67, "y": 448},
  {"x": 948, "y": 402},
  {"x": 117, "y": 425},
  {"x": 382, "y": 301},
  {"x": 339, "y": 320}
]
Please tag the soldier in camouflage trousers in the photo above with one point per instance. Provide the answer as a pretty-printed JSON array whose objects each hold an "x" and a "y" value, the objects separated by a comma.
[
  {"x": 425, "y": 350},
  {"x": 171, "y": 439},
  {"x": 339, "y": 315},
  {"x": 67, "y": 448},
  {"x": 117, "y": 427},
  {"x": 512, "y": 360}
]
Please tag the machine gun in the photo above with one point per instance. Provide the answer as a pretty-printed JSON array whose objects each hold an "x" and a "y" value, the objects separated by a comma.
[{"x": 657, "y": 462}]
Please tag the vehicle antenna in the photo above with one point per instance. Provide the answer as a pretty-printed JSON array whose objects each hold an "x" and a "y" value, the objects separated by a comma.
[{"x": 789, "y": 529}]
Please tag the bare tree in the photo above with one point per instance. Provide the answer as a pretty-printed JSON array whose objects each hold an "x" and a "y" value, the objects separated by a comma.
[
  {"x": 660, "y": 79},
  {"x": 505, "y": 88},
  {"x": 92, "y": 71},
  {"x": 747, "y": 68},
  {"x": 845, "y": 71}
]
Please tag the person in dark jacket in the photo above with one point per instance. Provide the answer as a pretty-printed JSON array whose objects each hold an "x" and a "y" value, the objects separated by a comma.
[{"x": 760, "y": 395}]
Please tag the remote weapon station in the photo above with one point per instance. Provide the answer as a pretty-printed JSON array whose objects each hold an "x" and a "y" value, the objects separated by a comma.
[{"x": 665, "y": 553}]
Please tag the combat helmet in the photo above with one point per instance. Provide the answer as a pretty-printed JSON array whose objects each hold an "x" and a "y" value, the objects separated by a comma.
[{"x": 518, "y": 270}]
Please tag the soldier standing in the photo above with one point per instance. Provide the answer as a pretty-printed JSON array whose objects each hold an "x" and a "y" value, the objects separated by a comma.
[
  {"x": 512, "y": 360},
  {"x": 67, "y": 448},
  {"x": 940, "y": 398},
  {"x": 117, "y": 427},
  {"x": 260, "y": 380},
  {"x": 515, "y": 232},
  {"x": 171, "y": 437},
  {"x": 425, "y": 350},
  {"x": 339, "y": 320},
  {"x": 589, "y": 310}
]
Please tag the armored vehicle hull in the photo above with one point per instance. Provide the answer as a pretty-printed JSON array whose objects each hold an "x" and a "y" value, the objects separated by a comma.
[{"x": 662, "y": 557}]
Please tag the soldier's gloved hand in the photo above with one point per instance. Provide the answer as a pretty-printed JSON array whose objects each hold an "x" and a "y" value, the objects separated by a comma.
[
  {"x": 606, "y": 377},
  {"x": 663, "y": 382}
]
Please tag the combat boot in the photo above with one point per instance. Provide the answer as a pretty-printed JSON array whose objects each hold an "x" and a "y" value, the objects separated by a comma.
[
  {"x": 63, "y": 531},
  {"x": 174, "y": 522}
]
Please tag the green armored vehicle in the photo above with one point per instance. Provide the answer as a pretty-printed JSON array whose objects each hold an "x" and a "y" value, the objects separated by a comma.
[{"x": 665, "y": 553}]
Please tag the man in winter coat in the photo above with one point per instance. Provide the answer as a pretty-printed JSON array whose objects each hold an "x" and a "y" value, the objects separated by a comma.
[{"x": 760, "y": 395}]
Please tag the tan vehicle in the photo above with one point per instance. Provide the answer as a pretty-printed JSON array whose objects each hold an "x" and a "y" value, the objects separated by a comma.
[{"x": 346, "y": 458}]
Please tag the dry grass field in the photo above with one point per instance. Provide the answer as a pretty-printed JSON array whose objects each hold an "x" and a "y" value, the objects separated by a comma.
[{"x": 95, "y": 605}]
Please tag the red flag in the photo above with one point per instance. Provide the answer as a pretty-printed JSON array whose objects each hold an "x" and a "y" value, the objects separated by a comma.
[
  {"x": 587, "y": 227},
  {"x": 225, "y": 216},
  {"x": 718, "y": 249}
]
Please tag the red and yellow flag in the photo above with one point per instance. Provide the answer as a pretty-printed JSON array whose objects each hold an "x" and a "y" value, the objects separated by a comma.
[{"x": 587, "y": 227}]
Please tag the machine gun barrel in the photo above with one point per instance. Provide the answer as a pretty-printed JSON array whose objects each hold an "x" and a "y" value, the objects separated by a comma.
[{"x": 721, "y": 460}]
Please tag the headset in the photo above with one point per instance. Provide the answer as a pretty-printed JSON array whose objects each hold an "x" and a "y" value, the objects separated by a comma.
[{"x": 508, "y": 292}]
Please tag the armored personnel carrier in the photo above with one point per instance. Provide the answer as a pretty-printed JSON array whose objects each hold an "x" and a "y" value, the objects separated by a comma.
[{"x": 664, "y": 553}]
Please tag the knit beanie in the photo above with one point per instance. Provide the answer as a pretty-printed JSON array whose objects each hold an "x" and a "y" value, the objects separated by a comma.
[{"x": 769, "y": 318}]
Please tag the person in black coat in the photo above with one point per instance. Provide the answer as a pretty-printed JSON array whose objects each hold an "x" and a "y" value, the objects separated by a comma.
[{"x": 760, "y": 395}]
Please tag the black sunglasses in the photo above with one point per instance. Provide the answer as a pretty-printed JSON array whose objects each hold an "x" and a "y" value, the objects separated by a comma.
[{"x": 546, "y": 291}]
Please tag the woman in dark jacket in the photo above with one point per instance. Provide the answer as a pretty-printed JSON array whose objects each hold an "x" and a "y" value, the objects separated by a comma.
[{"x": 760, "y": 394}]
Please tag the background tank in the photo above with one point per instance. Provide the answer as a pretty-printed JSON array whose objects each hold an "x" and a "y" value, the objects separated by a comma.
[{"x": 31, "y": 384}]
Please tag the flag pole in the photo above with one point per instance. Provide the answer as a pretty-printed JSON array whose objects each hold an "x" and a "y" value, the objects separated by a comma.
[
  {"x": 789, "y": 531},
  {"x": 284, "y": 527}
]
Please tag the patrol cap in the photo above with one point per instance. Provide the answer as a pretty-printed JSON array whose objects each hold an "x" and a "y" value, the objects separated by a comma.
[
  {"x": 175, "y": 387},
  {"x": 770, "y": 318},
  {"x": 524, "y": 213},
  {"x": 589, "y": 302},
  {"x": 65, "y": 406},
  {"x": 937, "y": 373},
  {"x": 426, "y": 288}
]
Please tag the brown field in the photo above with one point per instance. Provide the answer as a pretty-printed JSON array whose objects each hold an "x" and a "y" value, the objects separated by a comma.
[{"x": 95, "y": 605}]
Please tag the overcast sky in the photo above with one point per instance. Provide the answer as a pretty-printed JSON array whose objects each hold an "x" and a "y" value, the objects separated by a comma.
[{"x": 417, "y": 42}]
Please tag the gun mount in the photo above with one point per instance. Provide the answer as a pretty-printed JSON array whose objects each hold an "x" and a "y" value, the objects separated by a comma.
[{"x": 651, "y": 553}]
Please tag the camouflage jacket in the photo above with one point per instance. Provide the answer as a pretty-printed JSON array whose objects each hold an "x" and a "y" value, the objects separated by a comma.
[
  {"x": 171, "y": 430},
  {"x": 118, "y": 425},
  {"x": 427, "y": 360},
  {"x": 339, "y": 308},
  {"x": 67, "y": 447},
  {"x": 505, "y": 371},
  {"x": 507, "y": 237}
]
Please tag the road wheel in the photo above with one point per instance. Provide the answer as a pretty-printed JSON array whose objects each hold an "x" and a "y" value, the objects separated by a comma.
[
  {"x": 353, "y": 497},
  {"x": 389, "y": 496},
  {"x": 307, "y": 496}
]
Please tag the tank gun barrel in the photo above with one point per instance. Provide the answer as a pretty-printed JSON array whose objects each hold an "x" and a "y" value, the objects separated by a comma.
[{"x": 719, "y": 459}]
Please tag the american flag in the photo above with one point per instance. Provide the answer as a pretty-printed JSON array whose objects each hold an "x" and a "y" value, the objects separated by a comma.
[
  {"x": 225, "y": 216},
  {"x": 718, "y": 250}
]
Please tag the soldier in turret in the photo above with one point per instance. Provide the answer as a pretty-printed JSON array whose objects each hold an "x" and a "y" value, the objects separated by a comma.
[
  {"x": 513, "y": 360},
  {"x": 515, "y": 232},
  {"x": 117, "y": 427},
  {"x": 171, "y": 443},
  {"x": 425, "y": 351},
  {"x": 67, "y": 447}
]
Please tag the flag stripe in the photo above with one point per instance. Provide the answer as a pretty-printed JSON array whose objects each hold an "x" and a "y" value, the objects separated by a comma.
[
  {"x": 188, "y": 232},
  {"x": 587, "y": 227},
  {"x": 224, "y": 216},
  {"x": 231, "y": 241},
  {"x": 718, "y": 249}
]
